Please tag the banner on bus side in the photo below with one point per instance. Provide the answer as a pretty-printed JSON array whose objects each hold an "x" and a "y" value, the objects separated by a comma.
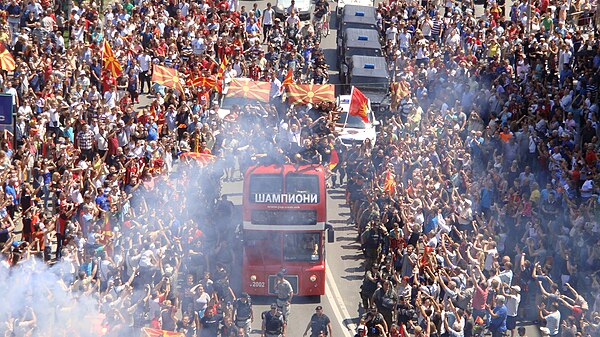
[{"x": 285, "y": 198}]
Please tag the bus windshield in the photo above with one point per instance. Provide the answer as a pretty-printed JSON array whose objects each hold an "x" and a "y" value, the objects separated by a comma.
[
  {"x": 266, "y": 183},
  {"x": 302, "y": 183},
  {"x": 267, "y": 243},
  {"x": 301, "y": 247}
]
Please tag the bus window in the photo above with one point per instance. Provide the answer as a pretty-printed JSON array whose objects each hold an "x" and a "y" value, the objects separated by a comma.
[
  {"x": 284, "y": 217},
  {"x": 266, "y": 183},
  {"x": 302, "y": 183},
  {"x": 267, "y": 242},
  {"x": 302, "y": 247}
]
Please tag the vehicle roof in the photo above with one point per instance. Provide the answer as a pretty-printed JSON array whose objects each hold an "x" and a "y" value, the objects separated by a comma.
[
  {"x": 355, "y": 2},
  {"x": 379, "y": 66},
  {"x": 350, "y": 14},
  {"x": 362, "y": 38},
  {"x": 288, "y": 3},
  {"x": 285, "y": 169}
]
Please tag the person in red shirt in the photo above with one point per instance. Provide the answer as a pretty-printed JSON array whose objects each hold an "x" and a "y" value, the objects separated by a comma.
[
  {"x": 223, "y": 5},
  {"x": 505, "y": 134},
  {"x": 204, "y": 149},
  {"x": 590, "y": 155},
  {"x": 108, "y": 80},
  {"x": 254, "y": 71}
]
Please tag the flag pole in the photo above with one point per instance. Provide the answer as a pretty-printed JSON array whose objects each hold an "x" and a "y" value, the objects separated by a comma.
[{"x": 348, "y": 113}]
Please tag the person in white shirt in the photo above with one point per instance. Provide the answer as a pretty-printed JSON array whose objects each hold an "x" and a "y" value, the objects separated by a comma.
[
  {"x": 101, "y": 140},
  {"x": 404, "y": 40},
  {"x": 491, "y": 253},
  {"x": 267, "y": 21},
  {"x": 13, "y": 92},
  {"x": 111, "y": 97},
  {"x": 513, "y": 299},
  {"x": 506, "y": 276},
  {"x": 552, "y": 317},
  {"x": 145, "y": 62},
  {"x": 293, "y": 20},
  {"x": 391, "y": 34}
]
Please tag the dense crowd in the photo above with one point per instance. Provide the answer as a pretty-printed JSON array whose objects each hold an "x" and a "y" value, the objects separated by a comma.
[
  {"x": 477, "y": 204},
  {"x": 106, "y": 227},
  {"x": 491, "y": 208}
]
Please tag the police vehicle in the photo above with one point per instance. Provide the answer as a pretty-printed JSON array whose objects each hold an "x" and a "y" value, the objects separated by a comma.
[
  {"x": 341, "y": 4},
  {"x": 353, "y": 16},
  {"x": 359, "y": 42},
  {"x": 371, "y": 76}
]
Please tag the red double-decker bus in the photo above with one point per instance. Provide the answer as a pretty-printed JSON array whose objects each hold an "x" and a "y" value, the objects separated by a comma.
[{"x": 284, "y": 214}]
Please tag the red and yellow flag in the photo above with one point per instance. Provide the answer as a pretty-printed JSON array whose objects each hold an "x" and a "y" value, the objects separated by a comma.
[
  {"x": 7, "y": 62},
  {"x": 245, "y": 88},
  {"x": 109, "y": 61},
  {"x": 389, "y": 184},
  {"x": 202, "y": 158},
  {"x": 202, "y": 81},
  {"x": 149, "y": 332},
  {"x": 399, "y": 90},
  {"x": 220, "y": 74},
  {"x": 359, "y": 105},
  {"x": 168, "y": 77},
  {"x": 334, "y": 160},
  {"x": 310, "y": 93},
  {"x": 288, "y": 80}
]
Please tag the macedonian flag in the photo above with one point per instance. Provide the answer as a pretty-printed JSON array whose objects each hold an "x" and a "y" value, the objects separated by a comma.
[
  {"x": 203, "y": 81},
  {"x": 149, "y": 332},
  {"x": 221, "y": 75},
  {"x": 245, "y": 88},
  {"x": 168, "y": 77},
  {"x": 7, "y": 62},
  {"x": 201, "y": 158},
  {"x": 310, "y": 93},
  {"x": 109, "y": 61},
  {"x": 399, "y": 90},
  {"x": 389, "y": 184},
  {"x": 359, "y": 105}
]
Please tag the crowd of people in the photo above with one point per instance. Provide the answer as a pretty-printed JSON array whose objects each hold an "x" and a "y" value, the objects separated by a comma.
[
  {"x": 476, "y": 204},
  {"x": 108, "y": 226}
]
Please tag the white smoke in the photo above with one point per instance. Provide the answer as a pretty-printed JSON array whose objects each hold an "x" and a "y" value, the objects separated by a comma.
[{"x": 37, "y": 302}]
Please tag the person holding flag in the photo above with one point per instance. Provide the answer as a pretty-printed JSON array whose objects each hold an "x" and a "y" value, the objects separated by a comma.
[
  {"x": 221, "y": 75},
  {"x": 389, "y": 182},
  {"x": 109, "y": 60}
]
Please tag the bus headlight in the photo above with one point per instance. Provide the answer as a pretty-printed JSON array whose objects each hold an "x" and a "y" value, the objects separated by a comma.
[
  {"x": 252, "y": 278},
  {"x": 312, "y": 278}
]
